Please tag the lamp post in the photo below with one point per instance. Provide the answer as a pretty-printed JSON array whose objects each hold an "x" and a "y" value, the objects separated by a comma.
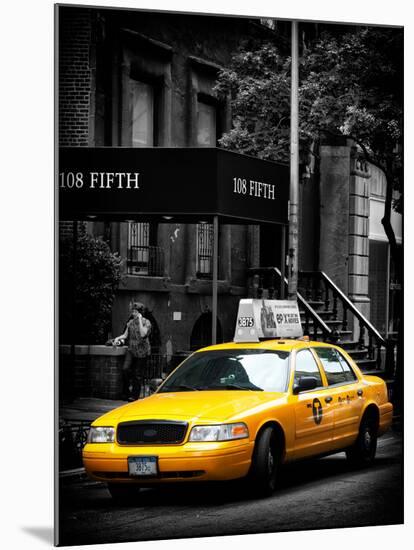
[{"x": 294, "y": 167}]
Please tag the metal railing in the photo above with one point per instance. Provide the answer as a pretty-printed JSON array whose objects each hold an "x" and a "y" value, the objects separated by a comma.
[
  {"x": 318, "y": 286},
  {"x": 72, "y": 438},
  {"x": 269, "y": 279},
  {"x": 204, "y": 250},
  {"x": 319, "y": 290}
]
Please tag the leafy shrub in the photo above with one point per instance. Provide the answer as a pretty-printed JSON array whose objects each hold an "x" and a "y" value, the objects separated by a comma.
[{"x": 86, "y": 292}]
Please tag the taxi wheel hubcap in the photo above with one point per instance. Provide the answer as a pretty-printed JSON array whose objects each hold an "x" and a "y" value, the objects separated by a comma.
[
  {"x": 271, "y": 462},
  {"x": 367, "y": 439}
]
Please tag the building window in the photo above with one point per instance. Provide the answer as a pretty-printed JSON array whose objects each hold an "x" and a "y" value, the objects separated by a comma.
[
  {"x": 144, "y": 258},
  {"x": 138, "y": 248},
  {"x": 205, "y": 236},
  {"x": 206, "y": 124},
  {"x": 142, "y": 114},
  {"x": 206, "y": 137}
]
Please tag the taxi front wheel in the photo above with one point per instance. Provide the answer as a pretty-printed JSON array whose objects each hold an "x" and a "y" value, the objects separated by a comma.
[
  {"x": 362, "y": 453},
  {"x": 124, "y": 494},
  {"x": 265, "y": 463}
]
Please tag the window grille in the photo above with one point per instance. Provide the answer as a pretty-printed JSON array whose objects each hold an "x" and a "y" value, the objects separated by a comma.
[
  {"x": 204, "y": 250},
  {"x": 143, "y": 258},
  {"x": 138, "y": 248}
]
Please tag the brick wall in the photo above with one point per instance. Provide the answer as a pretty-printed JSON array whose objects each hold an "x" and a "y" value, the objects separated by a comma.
[
  {"x": 96, "y": 372},
  {"x": 75, "y": 38}
]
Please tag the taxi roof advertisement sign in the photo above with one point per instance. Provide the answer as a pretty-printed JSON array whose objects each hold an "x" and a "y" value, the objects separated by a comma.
[{"x": 267, "y": 319}]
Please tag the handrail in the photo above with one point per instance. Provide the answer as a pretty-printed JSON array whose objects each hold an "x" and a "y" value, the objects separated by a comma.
[
  {"x": 301, "y": 299},
  {"x": 349, "y": 304}
]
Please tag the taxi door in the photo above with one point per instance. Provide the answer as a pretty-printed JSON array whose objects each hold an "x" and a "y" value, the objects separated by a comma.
[
  {"x": 347, "y": 394},
  {"x": 313, "y": 410}
]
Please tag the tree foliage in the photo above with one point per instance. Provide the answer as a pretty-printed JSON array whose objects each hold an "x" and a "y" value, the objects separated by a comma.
[
  {"x": 88, "y": 279},
  {"x": 350, "y": 85}
]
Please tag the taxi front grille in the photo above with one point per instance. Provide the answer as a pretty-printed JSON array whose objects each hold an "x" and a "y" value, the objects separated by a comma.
[{"x": 151, "y": 432}]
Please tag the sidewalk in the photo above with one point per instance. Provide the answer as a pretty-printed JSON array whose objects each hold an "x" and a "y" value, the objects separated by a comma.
[
  {"x": 87, "y": 409},
  {"x": 83, "y": 410}
]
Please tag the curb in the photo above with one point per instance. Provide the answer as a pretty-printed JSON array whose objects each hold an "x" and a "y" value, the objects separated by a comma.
[{"x": 71, "y": 474}]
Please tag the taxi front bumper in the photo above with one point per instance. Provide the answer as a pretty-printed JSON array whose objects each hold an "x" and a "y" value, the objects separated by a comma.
[{"x": 215, "y": 461}]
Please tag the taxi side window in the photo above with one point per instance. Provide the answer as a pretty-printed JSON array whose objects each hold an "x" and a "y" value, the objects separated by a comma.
[
  {"x": 349, "y": 373},
  {"x": 306, "y": 366},
  {"x": 336, "y": 369}
]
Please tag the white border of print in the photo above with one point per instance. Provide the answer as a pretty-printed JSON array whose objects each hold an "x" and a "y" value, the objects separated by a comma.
[{"x": 27, "y": 230}]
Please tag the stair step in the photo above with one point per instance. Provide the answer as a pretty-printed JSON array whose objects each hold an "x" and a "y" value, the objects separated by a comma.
[
  {"x": 321, "y": 312},
  {"x": 315, "y": 303},
  {"x": 325, "y": 313},
  {"x": 350, "y": 344},
  {"x": 381, "y": 373},
  {"x": 324, "y": 318},
  {"x": 365, "y": 364},
  {"x": 333, "y": 322},
  {"x": 356, "y": 352},
  {"x": 345, "y": 333}
]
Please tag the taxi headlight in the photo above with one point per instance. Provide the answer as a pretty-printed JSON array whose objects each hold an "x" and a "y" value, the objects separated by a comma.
[
  {"x": 219, "y": 432},
  {"x": 101, "y": 434}
]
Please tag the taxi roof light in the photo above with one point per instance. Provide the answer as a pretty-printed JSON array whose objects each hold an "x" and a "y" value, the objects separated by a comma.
[{"x": 264, "y": 319}]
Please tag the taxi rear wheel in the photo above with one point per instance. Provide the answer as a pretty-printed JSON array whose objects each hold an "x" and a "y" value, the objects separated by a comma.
[
  {"x": 123, "y": 493},
  {"x": 362, "y": 453},
  {"x": 265, "y": 463}
]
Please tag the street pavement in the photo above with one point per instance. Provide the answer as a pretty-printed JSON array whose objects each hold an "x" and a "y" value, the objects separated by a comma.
[{"x": 314, "y": 494}]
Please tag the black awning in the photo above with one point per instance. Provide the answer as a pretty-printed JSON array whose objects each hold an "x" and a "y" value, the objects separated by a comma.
[{"x": 170, "y": 184}]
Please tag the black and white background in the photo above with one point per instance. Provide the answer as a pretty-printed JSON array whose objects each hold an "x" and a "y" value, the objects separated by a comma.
[{"x": 27, "y": 241}]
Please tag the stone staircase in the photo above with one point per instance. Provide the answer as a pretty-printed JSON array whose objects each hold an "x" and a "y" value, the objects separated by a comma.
[
  {"x": 327, "y": 314},
  {"x": 343, "y": 337}
]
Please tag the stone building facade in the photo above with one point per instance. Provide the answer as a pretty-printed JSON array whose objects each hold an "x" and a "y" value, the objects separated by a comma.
[
  {"x": 141, "y": 79},
  {"x": 137, "y": 79}
]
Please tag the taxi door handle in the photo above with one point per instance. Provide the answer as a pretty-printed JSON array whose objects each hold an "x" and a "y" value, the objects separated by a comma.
[
  {"x": 328, "y": 399},
  {"x": 360, "y": 393}
]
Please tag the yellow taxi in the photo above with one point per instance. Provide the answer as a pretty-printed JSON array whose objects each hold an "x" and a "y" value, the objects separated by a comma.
[{"x": 241, "y": 410}]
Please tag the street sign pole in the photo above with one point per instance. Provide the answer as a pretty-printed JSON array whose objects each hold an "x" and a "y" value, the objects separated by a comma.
[{"x": 294, "y": 168}]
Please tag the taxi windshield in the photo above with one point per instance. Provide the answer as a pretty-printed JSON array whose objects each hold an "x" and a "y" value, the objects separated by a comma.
[{"x": 232, "y": 369}]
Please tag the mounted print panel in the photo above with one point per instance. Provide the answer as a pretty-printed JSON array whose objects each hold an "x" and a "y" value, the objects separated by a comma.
[{"x": 207, "y": 162}]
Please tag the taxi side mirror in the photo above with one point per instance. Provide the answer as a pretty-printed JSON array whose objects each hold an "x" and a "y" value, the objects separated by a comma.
[{"x": 305, "y": 383}]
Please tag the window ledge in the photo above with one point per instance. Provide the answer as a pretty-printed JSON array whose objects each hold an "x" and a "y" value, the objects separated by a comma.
[
  {"x": 155, "y": 45},
  {"x": 145, "y": 283},
  {"x": 204, "y": 64},
  {"x": 84, "y": 349},
  {"x": 205, "y": 286}
]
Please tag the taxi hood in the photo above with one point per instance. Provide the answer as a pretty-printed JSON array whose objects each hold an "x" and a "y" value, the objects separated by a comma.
[{"x": 194, "y": 405}]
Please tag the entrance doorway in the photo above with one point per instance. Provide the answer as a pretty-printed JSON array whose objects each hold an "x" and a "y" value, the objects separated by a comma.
[{"x": 201, "y": 333}]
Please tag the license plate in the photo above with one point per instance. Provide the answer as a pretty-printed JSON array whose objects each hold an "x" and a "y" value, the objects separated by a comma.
[{"x": 142, "y": 465}]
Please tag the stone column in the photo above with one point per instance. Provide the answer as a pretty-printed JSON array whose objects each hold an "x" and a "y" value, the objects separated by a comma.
[
  {"x": 334, "y": 212},
  {"x": 358, "y": 265},
  {"x": 190, "y": 251},
  {"x": 253, "y": 245},
  {"x": 225, "y": 253}
]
